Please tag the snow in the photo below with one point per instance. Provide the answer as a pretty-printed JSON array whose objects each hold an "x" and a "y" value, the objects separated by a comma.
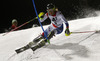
[{"x": 76, "y": 47}]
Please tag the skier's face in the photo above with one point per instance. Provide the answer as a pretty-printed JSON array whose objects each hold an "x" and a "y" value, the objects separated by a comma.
[
  {"x": 51, "y": 11},
  {"x": 15, "y": 23}
]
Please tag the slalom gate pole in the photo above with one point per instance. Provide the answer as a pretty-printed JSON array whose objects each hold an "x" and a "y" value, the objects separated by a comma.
[
  {"x": 19, "y": 26},
  {"x": 39, "y": 21}
]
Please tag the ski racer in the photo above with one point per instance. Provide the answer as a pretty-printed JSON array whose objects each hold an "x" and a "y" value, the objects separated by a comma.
[{"x": 56, "y": 26}]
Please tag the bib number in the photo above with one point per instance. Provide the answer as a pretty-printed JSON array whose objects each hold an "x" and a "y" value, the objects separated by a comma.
[{"x": 54, "y": 20}]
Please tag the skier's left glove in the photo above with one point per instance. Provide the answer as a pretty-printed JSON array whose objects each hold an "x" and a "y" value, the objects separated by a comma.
[{"x": 67, "y": 32}]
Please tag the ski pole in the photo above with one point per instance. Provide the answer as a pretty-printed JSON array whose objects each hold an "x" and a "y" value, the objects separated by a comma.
[
  {"x": 96, "y": 31},
  {"x": 20, "y": 26}
]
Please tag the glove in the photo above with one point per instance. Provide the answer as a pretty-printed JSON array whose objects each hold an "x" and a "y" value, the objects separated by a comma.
[
  {"x": 41, "y": 15},
  {"x": 67, "y": 32}
]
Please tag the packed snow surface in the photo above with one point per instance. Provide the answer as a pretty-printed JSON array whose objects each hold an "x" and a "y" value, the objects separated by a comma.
[{"x": 76, "y": 47}]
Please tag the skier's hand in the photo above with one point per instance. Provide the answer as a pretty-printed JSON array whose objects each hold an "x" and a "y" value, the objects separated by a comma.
[
  {"x": 67, "y": 32},
  {"x": 41, "y": 15}
]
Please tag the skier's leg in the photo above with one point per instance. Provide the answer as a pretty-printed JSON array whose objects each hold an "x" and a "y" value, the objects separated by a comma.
[
  {"x": 49, "y": 33},
  {"x": 44, "y": 41}
]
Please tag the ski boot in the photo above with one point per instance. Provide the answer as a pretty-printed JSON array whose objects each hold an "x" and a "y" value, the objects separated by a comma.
[
  {"x": 35, "y": 41},
  {"x": 42, "y": 43}
]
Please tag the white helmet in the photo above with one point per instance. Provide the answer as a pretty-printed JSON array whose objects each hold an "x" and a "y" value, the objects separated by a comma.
[{"x": 14, "y": 21}]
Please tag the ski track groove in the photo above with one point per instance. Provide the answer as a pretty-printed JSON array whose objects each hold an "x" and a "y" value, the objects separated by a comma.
[
  {"x": 86, "y": 38},
  {"x": 59, "y": 54}
]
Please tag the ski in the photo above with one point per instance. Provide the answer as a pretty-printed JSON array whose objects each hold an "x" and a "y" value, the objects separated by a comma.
[{"x": 22, "y": 49}]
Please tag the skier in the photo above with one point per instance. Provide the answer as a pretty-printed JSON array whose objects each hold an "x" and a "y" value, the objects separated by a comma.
[
  {"x": 14, "y": 24},
  {"x": 56, "y": 27}
]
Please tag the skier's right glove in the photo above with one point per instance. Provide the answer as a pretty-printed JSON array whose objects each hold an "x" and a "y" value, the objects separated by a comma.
[{"x": 41, "y": 15}]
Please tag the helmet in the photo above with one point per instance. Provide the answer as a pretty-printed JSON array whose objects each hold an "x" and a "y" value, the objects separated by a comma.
[
  {"x": 50, "y": 6},
  {"x": 14, "y": 20}
]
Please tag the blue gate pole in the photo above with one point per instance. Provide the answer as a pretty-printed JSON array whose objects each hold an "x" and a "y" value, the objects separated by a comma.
[{"x": 39, "y": 21}]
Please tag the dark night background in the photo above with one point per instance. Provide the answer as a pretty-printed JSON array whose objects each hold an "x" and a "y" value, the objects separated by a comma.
[{"x": 23, "y": 10}]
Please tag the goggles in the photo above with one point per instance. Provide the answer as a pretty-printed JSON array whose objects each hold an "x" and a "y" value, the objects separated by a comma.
[{"x": 51, "y": 10}]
